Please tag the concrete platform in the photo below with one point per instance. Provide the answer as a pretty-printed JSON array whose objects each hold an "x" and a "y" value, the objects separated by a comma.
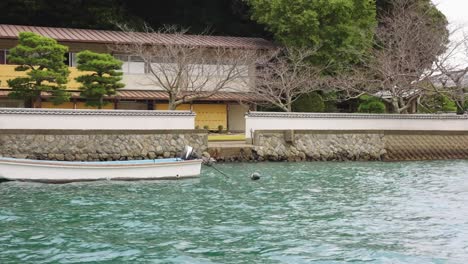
[{"x": 230, "y": 150}]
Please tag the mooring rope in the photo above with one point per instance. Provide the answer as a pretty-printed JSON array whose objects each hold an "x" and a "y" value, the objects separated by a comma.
[{"x": 218, "y": 170}]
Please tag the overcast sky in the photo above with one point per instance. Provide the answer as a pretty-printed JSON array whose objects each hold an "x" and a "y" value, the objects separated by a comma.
[
  {"x": 457, "y": 15},
  {"x": 455, "y": 10}
]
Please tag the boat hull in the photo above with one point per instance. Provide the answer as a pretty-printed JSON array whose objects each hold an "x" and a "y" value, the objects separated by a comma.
[{"x": 64, "y": 172}]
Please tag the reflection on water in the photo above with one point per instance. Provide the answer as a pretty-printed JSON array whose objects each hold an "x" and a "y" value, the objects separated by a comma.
[{"x": 297, "y": 213}]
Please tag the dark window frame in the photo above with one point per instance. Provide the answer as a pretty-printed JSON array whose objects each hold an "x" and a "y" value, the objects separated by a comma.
[{"x": 3, "y": 57}]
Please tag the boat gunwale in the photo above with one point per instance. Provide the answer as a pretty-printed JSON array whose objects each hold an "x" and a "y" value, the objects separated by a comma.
[
  {"x": 124, "y": 179},
  {"x": 96, "y": 165}
]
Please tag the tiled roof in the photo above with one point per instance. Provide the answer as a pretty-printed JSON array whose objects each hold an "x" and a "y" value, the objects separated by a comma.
[
  {"x": 356, "y": 116},
  {"x": 161, "y": 95},
  {"x": 45, "y": 111},
  {"x": 119, "y": 37}
]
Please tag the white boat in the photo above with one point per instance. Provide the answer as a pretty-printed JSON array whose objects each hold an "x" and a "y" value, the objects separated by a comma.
[
  {"x": 12, "y": 169},
  {"x": 68, "y": 171}
]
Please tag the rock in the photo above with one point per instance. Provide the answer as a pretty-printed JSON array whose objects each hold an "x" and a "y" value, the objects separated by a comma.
[
  {"x": 20, "y": 156},
  {"x": 159, "y": 150},
  {"x": 99, "y": 147},
  {"x": 152, "y": 155},
  {"x": 69, "y": 157},
  {"x": 302, "y": 155}
]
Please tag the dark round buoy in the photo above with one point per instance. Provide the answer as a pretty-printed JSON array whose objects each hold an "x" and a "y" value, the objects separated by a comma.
[{"x": 255, "y": 176}]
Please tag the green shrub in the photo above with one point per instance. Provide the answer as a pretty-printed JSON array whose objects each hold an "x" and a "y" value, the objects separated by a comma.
[
  {"x": 312, "y": 102},
  {"x": 371, "y": 105},
  {"x": 437, "y": 103},
  {"x": 220, "y": 128},
  {"x": 206, "y": 127}
]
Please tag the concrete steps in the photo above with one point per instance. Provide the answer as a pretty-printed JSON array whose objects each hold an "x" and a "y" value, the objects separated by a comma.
[{"x": 230, "y": 150}]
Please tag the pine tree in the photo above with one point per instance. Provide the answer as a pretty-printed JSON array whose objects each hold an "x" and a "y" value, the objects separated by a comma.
[
  {"x": 42, "y": 60},
  {"x": 104, "y": 79}
]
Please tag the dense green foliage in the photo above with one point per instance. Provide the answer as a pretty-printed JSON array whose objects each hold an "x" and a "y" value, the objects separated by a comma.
[
  {"x": 42, "y": 60},
  {"x": 312, "y": 102},
  {"x": 437, "y": 103},
  {"x": 64, "y": 13},
  {"x": 371, "y": 105},
  {"x": 341, "y": 30},
  {"x": 104, "y": 78},
  {"x": 219, "y": 17}
]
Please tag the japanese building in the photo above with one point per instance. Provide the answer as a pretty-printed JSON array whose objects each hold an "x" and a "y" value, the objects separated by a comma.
[{"x": 225, "y": 108}]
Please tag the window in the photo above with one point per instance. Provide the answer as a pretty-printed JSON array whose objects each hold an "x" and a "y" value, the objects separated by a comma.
[
  {"x": 66, "y": 59},
  {"x": 132, "y": 64},
  {"x": 3, "y": 57},
  {"x": 136, "y": 65},
  {"x": 124, "y": 59},
  {"x": 70, "y": 59},
  {"x": 73, "y": 60}
]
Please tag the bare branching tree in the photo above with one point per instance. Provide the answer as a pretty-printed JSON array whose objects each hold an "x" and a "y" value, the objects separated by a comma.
[
  {"x": 452, "y": 72},
  {"x": 286, "y": 76},
  {"x": 400, "y": 66},
  {"x": 187, "y": 71}
]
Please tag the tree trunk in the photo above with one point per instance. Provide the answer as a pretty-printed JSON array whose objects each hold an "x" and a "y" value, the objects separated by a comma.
[
  {"x": 461, "y": 103},
  {"x": 289, "y": 104},
  {"x": 172, "y": 106},
  {"x": 172, "y": 102},
  {"x": 395, "y": 106},
  {"x": 36, "y": 102},
  {"x": 101, "y": 103},
  {"x": 29, "y": 103}
]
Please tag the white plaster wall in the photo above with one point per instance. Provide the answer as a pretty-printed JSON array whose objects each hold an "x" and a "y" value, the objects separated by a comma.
[
  {"x": 96, "y": 120},
  {"x": 139, "y": 82},
  {"x": 215, "y": 74},
  {"x": 236, "y": 120},
  {"x": 355, "y": 122}
]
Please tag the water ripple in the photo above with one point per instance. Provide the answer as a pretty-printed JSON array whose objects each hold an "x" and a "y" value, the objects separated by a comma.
[{"x": 413, "y": 212}]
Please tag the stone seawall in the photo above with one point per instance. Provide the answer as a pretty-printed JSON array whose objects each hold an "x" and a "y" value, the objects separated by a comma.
[
  {"x": 318, "y": 146},
  {"x": 95, "y": 145},
  {"x": 302, "y": 145}
]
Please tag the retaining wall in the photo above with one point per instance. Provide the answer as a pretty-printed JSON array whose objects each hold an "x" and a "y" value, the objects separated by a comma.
[
  {"x": 339, "y": 145},
  {"x": 95, "y": 145}
]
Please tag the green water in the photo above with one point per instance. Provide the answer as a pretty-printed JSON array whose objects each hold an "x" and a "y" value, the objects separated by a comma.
[{"x": 297, "y": 213}]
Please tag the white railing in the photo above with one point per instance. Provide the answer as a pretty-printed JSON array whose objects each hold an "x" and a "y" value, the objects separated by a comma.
[
  {"x": 26, "y": 118},
  {"x": 330, "y": 121}
]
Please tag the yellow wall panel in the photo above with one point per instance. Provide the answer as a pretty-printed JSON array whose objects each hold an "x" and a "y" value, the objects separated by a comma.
[
  {"x": 82, "y": 105},
  {"x": 211, "y": 115},
  {"x": 8, "y": 72},
  {"x": 71, "y": 105},
  {"x": 66, "y": 105}
]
